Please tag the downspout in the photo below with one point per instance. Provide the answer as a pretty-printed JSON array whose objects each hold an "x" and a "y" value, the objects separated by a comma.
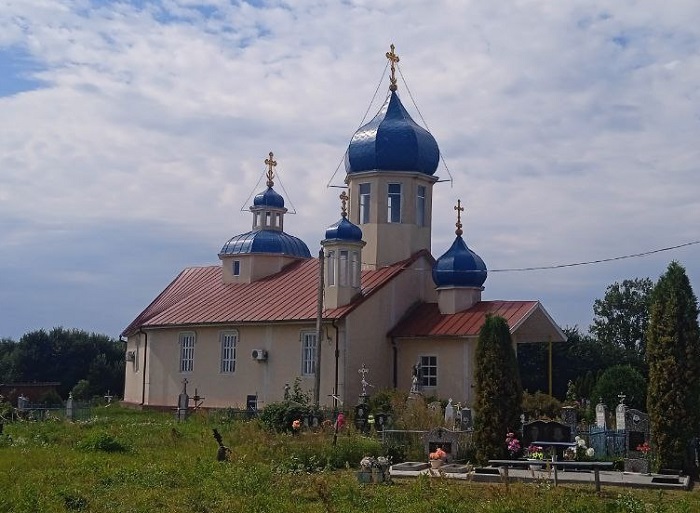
[
  {"x": 145, "y": 353},
  {"x": 395, "y": 350},
  {"x": 337, "y": 358}
]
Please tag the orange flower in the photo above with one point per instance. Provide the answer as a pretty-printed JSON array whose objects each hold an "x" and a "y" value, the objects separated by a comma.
[{"x": 439, "y": 454}]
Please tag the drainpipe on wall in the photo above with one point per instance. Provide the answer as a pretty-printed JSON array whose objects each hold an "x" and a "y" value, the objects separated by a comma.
[
  {"x": 396, "y": 361},
  {"x": 145, "y": 353},
  {"x": 337, "y": 358}
]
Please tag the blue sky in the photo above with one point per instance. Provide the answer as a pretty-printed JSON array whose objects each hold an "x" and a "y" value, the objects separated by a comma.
[{"x": 133, "y": 133}]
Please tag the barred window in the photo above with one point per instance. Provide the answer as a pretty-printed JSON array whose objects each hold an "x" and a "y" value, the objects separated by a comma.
[
  {"x": 308, "y": 354},
  {"x": 229, "y": 340},
  {"x": 186, "y": 352}
]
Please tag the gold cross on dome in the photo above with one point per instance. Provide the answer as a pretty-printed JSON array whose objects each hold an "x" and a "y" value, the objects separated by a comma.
[
  {"x": 270, "y": 172},
  {"x": 344, "y": 199},
  {"x": 459, "y": 208},
  {"x": 393, "y": 58}
]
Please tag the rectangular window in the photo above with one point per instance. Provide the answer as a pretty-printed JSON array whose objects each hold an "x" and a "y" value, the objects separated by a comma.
[
  {"x": 236, "y": 267},
  {"x": 394, "y": 203},
  {"x": 355, "y": 269},
  {"x": 428, "y": 367},
  {"x": 420, "y": 205},
  {"x": 268, "y": 220},
  {"x": 343, "y": 268},
  {"x": 330, "y": 266},
  {"x": 186, "y": 352},
  {"x": 308, "y": 354},
  {"x": 364, "y": 203},
  {"x": 278, "y": 220},
  {"x": 229, "y": 340}
]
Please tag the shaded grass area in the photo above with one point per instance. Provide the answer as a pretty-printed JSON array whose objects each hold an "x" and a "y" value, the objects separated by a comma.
[{"x": 129, "y": 461}]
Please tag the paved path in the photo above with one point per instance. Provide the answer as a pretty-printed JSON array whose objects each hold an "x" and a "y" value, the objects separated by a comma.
[{"x": 494, "y": 475}]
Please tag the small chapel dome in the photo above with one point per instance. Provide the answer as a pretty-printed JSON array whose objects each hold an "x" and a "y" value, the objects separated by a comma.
[
  {"x": 268, "y": 242},
  {"x": 344, "y": 230},
  {"x": 392, "y": 141},
  {"x": 459, "y": 266},
  {"x": 268, "y": 198}
]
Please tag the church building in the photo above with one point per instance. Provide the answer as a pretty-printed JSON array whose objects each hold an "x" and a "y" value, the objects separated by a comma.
[{"x": 240, "y": 331}]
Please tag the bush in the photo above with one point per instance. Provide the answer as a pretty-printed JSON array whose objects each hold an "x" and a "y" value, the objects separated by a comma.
[
  {"x": 103, "y": 442},
  {"x": 540, "y": 405}
]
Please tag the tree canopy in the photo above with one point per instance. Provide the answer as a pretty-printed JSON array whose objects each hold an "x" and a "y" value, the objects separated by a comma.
[
  {"x": 673, "y": 352},
  {"x": 498, "y": 389},
  {"x": 65, "y": 356}
]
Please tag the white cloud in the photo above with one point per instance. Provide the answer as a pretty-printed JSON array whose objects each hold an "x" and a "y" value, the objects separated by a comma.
[{"x": 570, "y": 128}]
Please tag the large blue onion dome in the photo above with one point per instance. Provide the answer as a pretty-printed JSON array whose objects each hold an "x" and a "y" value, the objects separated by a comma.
[
  {"x": 344, "y": 230},
  {"x": 266, "y": 241},
  {"x": 268, "y": 198},
  {"x": 392, "y": 141},
  {"x": 459, "y": 267}
]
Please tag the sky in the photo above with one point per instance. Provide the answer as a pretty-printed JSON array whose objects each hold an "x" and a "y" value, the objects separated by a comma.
[{"x": 133, "y": 133}]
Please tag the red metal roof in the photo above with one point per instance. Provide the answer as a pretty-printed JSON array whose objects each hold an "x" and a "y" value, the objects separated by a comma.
[
  {"x": 426, "y": 320},
  {"x": 199, "y": 296}
]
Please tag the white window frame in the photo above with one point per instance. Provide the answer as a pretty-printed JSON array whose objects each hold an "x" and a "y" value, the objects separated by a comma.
[
  {"x": 330, "y": 267},
  {"x": 365, "y": 198},
  {"x": 229, "y": 343},
  {"x": 343, "y": 262},
  {"x": 187, "y": 340},
  {"x": 429, "y": 370},
  {"x": 236, "y": 268},
  {"x": 308, "y": 353},
  {"x": 420, "y": 204},
  {"x": 393, "y": 203}
]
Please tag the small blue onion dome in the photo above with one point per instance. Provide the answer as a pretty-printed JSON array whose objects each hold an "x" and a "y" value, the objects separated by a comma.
[
  {"x": 459, "y": 267},
  {"x": 392, "y": 141},
  {"x": 268, "y": 198},
  {"x": 266, "y": 241},
  {"x": 344, "y": 230}
]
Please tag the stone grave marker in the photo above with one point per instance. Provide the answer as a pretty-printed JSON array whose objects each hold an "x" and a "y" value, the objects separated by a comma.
[
  {"x": 442, "y": 438},
  {"x": 600, "y": 415},
  {"x": 637, "y": 432}
]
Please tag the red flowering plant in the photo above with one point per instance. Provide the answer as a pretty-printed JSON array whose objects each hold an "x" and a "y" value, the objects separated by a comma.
[
  {"x": 513, "y": 445},
  {"x": 645, "y": 449}
]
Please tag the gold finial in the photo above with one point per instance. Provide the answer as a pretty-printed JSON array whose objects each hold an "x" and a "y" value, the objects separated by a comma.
[
  {"x": 394, "y": 59},
  {"x": 344, "y": 199},
  {"x": 459, "y": 208},
  {"x": 270, "y": 172}
]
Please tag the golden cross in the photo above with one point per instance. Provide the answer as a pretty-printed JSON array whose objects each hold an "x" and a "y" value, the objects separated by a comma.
[
  {"x": 270, "y": 173},
  {"x": 344, "y": 198},
  {"x": 459, "y": 208},
  {"x": 394, "y": 59}
]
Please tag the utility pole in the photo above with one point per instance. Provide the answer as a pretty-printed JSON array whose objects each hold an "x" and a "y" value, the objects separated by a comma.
[{"x": 319, "y": 314}]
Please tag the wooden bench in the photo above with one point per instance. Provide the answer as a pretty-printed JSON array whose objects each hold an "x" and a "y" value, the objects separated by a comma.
[{"x": 596, "y": 466}]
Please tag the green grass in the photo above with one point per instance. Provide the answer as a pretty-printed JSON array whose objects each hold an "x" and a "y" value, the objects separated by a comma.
[{"x": 128, "y": 461}]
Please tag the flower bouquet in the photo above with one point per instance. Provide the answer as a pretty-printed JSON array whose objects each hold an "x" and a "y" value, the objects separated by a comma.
[{"x": 437, "y": 458}]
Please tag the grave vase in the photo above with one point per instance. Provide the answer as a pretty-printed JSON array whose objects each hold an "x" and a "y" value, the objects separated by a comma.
[
  {"x": 536, "y": 464},
  {"x": 436, "y": 463}
]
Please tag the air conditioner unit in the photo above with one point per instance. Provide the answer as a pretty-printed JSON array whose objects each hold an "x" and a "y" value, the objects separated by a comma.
[
  {"x": 130, "y": 356},
  {"x": 259, "y": 354}
]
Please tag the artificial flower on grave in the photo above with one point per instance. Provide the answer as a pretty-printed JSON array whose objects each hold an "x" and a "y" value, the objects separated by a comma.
[
  {"x": 439, "y": 454},
  {"x": 534, "y": 452},
  {"x": 644, "y": 448},
  {"x": 296, "y": 426},
  {"x": 580, "y": 452},
  {"x": 513, "y": 445}
]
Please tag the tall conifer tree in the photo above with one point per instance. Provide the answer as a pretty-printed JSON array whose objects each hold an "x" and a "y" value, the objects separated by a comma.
[
  {"x": 673, "y": 355},
  {"x": 499, "y": 393}
]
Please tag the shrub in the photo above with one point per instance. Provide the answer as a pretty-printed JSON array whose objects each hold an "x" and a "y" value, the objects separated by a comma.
[
  {"x": 103, "y": 442},
  {"x": 539, "y": 405}
]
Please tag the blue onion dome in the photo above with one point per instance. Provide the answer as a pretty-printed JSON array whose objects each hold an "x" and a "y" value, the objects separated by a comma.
[
  {"x": 392, "y": 141},
  {"x": 344, "y": 229},
  {"x": 266, "y": 241},
  {"x": 459, "y": 266},
  {"x": 268, "y": 198}
]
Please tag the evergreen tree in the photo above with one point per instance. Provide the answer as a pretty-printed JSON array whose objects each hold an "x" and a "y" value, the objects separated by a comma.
[
  {"x": 498, "y": 390},
  {"x": 673, "y": 356}
]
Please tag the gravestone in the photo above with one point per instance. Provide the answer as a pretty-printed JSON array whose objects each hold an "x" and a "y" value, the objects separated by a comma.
[
  {"x": 465, "y": 419},
  {"x": 569, "y": 417},
  {"x": 620, "y": 415},
  {"x": 441, "y": 438},
  {"x": 382, "y": 421},
  {"x": 637, "y": 432},
  {"x": 361, "y": 416},
  {"x": 183, "y": 402},
  {"x": 546, "y": 431},
  {"x": 450, "y": 415},
  {"x": 70, "y": 414},
  {"x": 600, "y": 416}
]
